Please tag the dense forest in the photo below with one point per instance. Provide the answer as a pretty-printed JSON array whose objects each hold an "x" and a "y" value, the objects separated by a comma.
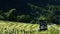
[{"x": 30, "y": 11}]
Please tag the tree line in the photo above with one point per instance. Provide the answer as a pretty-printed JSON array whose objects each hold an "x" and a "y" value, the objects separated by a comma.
[{"x": 50, "y": 12}]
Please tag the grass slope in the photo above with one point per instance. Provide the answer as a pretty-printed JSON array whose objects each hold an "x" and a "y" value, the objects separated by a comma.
[{"x": 27, "y": 27}]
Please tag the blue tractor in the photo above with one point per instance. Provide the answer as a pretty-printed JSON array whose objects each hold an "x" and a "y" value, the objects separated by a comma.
[{"x": 42, "y": 23}]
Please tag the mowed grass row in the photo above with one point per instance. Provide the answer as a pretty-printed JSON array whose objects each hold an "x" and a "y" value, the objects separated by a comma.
[
  {"x": 16, "y": 25},
  {"x": 19, "y": 27}
]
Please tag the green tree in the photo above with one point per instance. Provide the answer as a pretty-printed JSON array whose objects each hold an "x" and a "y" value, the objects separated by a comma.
[
  {"x": 1, "y": 16},
  {"x": 48, "y": 11},
  {"x": 9, "y": 13}
]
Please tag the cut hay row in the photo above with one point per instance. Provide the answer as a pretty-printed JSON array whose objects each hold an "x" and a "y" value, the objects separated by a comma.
[{"x": 17, "y": 28}]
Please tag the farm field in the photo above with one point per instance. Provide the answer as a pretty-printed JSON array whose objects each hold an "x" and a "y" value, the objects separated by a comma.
[{"x": 24, "y": 28}]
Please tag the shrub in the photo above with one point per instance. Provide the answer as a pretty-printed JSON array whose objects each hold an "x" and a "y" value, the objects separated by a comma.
[{"x": 24, "y": 18}]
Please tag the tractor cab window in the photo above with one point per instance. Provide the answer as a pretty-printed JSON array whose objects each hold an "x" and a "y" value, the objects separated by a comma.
[{"x": 43, "y": 25}]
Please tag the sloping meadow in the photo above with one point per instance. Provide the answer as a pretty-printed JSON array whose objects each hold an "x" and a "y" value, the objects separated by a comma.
[{"x": 7, "y": 27}]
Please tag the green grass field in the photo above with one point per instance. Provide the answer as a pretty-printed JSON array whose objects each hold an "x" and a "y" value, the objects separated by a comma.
[
  {"x": 58, "y": 26},
  {"x": 6, "y": 26}
]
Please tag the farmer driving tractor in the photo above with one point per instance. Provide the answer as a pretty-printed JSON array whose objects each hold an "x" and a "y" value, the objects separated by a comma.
[{"x": 42, "y": 23}]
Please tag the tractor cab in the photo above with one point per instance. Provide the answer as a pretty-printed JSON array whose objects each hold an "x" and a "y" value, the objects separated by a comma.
[{"x": 42, "y": 24}]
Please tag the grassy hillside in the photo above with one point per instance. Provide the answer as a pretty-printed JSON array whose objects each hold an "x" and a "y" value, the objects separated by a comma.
[{"x": 19, "y": 27}]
